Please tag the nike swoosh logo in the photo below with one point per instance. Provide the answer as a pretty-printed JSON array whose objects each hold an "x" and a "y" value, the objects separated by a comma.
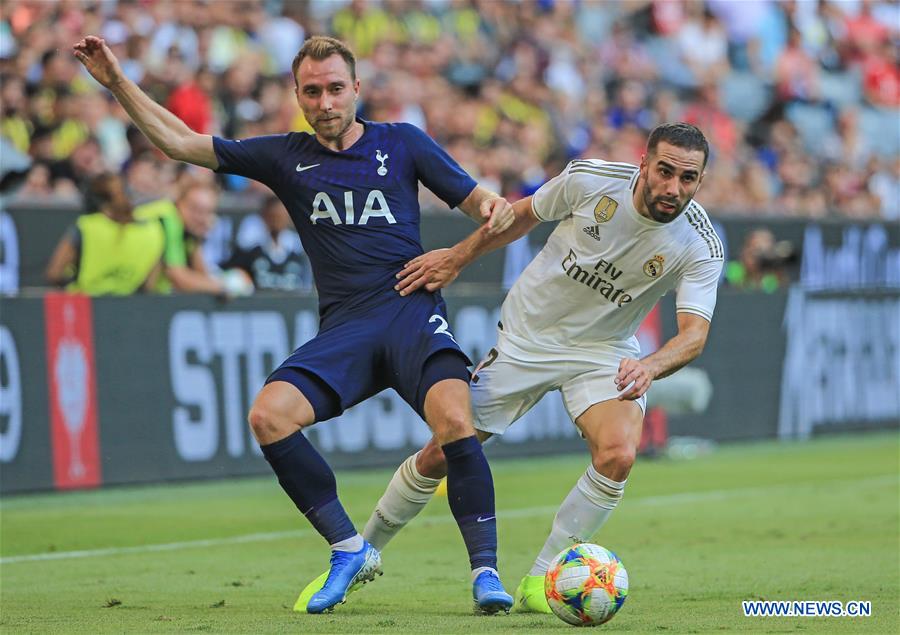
[
  {"x": 484, "y": 519},
  {"x": 301, "y": 167}
]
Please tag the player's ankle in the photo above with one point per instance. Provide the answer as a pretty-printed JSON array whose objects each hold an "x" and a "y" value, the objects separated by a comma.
[
  {"x": 351, "y": 545},
  {"x": 479, "y": 570}
]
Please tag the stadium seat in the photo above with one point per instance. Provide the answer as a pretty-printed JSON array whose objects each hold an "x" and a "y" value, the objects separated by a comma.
[
  {"x": 841, "y": 90},
  {"x": 744, "y": 96},
  {"x": 881, "y": 128},
  {"x": 814, "y": 123},
  {"x": 667, "y": 58}
]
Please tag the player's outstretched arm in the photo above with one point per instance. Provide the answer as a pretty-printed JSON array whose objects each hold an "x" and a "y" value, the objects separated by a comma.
[
  {"x": 679, "y": 351},
  {"x": 437, "y": 269},
  {"x": 166, "y": 131}
]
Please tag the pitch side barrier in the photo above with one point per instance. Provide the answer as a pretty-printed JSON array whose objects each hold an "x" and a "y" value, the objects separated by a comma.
[
  {"x": 29, "y": 232},
  {"x": 142, "y": 389},
  {"x": 146, "y": 389}
]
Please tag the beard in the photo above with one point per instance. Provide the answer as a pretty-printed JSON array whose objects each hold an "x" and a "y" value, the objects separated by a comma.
[
  {"x": 658, "y": 213},
  {"x": 332, "y": 129}
]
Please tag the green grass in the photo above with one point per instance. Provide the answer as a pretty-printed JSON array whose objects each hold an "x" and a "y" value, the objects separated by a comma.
[{"x": 813, "y": 521}]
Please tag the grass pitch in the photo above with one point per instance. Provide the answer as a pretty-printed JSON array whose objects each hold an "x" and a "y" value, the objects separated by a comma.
[{"x": 813, "y": 521}]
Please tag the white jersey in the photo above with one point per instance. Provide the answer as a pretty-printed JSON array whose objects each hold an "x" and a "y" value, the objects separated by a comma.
[{"x": 605, "y": 266}]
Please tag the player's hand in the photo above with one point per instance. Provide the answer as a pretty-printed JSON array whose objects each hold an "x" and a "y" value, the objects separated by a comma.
[
  {"x": 498, "y": 214},
  {"x": 634, "y": 375},
  {"x": 99, "y": 60},
  {"x": 433, "y": 270}
]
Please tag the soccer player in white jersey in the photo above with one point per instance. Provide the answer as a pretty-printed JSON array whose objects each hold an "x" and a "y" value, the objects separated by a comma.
[{"x": 626, "y": 235}]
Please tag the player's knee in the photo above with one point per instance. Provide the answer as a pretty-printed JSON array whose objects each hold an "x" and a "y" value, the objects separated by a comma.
[
  {"x": 452, "y": 426},
  {"x": 268, "y": 425},
  {"x": 614, "y": 462}
]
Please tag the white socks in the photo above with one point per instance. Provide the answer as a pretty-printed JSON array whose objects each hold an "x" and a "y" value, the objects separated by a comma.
[
  {"x": 477, "y": 572},
  {"x": 352, "y": 544},
  {"x": 405, "y": 496},
  {"x": 580, "y": 516}
]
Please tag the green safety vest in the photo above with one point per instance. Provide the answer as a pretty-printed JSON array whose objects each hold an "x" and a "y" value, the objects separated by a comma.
[
  {"x": 116, "y": 259},
  {"x": 179, "y": 244}
]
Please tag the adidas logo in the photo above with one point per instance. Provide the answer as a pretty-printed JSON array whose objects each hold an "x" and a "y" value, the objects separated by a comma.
[{"x": 593, "y": 231}]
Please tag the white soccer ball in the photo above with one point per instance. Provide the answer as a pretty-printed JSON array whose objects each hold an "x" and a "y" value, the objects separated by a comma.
[{"x": 586, "y": 585}]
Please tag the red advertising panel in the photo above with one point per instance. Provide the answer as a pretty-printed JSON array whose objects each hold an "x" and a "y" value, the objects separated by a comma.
[{"x": 71, "y": 380}]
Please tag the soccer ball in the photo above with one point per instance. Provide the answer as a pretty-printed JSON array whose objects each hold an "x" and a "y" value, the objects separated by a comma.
[{"x": 586, "y": 585}]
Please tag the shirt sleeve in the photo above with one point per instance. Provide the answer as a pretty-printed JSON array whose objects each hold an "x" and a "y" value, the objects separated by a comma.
[
  {"x": 435, "y": 168},
  {"x": 256, "y": 157},
  {"x": 552, "y": 201},
  {"x": 696, "y": 290}
]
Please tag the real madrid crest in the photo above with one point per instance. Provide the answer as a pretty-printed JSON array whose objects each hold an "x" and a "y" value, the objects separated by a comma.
[
  {"x": 654, "y": 266},
  {"x": 605, "y": 209}
]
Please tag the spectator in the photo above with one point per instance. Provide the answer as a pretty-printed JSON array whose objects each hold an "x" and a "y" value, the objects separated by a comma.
[
  {"x": 630, "y": 107},
  {"x": 706, "y": 113},
  {"x": 885, "y": 185},
  {"x": 362, "y": 26},
  {"x": 515, "y": 88},
  {"x": 38, "y": 183},
  {"x": 796, "y": 72},
  {"x": 703, "y": 44},
  {"x": 76, "y": 172},
  {"x": 143, "y": 177},
  {"x": 190, "y": 102},
  {"x": 881, "y": 75},
  {"x": 186, "y": 220},
  {"x": 276, "y": 262},
  {"x": 14, "y": 122},
  {"x": 864, "y": 33},
  {"x": 762, "y": 265},
  {"x": 108, "y": 252}
]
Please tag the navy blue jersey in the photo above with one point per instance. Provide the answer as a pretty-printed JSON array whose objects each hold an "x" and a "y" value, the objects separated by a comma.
[{"x": 357, "y": 211}]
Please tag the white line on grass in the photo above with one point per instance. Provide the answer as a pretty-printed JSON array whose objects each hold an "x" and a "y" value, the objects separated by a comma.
[{"x": 525, "y": 512}]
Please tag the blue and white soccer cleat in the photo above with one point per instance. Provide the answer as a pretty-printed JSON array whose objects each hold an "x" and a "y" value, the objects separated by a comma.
[
  {"x": 489, "y": 594},
  {"x": 347, "y": 569}
]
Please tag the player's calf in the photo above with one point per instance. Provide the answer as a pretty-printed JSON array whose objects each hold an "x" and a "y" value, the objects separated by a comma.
[
  {"x": 430, "y": 461},
  {"x": 406, "y": 495},
  {"x": 583, "y": 512}
]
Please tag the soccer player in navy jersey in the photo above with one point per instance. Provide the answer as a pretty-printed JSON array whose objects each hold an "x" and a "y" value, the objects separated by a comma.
[{"x": 351, "y": 189}]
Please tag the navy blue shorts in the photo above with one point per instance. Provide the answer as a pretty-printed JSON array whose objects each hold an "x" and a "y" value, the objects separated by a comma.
[{"x": 388, "y": 347}]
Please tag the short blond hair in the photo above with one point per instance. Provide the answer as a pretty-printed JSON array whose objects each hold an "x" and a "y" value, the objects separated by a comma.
[{"x": 321, "y": 47}]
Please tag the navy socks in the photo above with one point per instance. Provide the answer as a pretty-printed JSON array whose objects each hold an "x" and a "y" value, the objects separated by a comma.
[
  {"x": 470, "y": 491},
  {"x": 307, "y": 479}
]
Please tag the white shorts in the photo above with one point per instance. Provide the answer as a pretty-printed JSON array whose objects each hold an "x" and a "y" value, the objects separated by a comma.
[{"x": 505, "y": 386}]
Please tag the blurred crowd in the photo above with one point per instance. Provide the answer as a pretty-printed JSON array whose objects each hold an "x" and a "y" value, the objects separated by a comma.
[{"x": 799, "y": 98}]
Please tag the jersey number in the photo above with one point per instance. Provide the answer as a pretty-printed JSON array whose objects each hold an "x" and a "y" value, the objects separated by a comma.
[
  {"x": 490, "y": 359},
  {"x": 443, "y": 327}
]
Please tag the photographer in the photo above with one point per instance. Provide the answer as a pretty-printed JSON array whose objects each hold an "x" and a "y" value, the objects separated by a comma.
[{"x": 763, "y": 265}]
